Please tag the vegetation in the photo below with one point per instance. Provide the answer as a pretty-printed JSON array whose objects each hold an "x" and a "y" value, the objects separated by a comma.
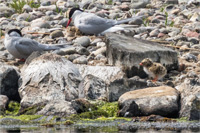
[
  {"x": 19, "y": 4},
  {"x": 146, "y": 22},
  {"x": 13, "y": 108}
]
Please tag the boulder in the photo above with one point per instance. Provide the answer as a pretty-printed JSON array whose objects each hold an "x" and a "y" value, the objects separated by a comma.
[
  {"x": 9, "y": 82},
  {"x": 162, "y": 100},
  {"x": 92, "y": 87},
  {"x": 129, "y": 52},
  {"x": 58, "y": 108},
  {"x": 106, "y": 73},
  {"x": 190, "y": 98},
  {"x": 48, "y": 78}
]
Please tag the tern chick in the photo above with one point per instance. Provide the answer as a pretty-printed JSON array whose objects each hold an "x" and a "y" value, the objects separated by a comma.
[{"x": 155, "y": 70}]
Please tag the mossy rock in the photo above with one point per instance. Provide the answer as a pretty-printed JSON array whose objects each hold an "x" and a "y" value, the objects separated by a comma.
[{"x": 13, "y": 108}]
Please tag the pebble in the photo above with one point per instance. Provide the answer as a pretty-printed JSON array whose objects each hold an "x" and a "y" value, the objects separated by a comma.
[
  {"x": 56, "y": 34},
  {"x": 80, "y": 60},
  {"x": 84, "y": 41}
]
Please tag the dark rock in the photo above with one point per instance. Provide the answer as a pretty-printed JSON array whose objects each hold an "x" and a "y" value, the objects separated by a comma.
[
  {"x": 190, "y": 98},
  {"x": 128, "y": 52},
  {"x": 121, "y": 86},
  {"x": 92, "y": 87},
  {"x": 160, "y": 100},
  {"x": 55, "y": 78},
  {"x": 9, "y": 82},
  {"x": 81, "y": 105}
]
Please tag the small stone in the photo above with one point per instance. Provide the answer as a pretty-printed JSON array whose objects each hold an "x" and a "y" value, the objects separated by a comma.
[
  {"x": 82, "y": 51},
  {"x": 83, "y": 41},
  {"x": 27, "y": 8},
  {"x": 56, "y": 34},
  {"x": 66, "y": 51},
  {"x": 192, "y": 34},
  {"x": 154, "y": 33},
  {"x": 42, "y": 24},
  {"x": 136, "y": 22},
  {"x": 80, "y": 60},
  {"x": 195, "y": 17}
]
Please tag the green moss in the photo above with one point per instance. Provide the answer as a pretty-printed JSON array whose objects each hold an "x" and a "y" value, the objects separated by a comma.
[
  {"x": 24, "y": 117},
  {"x": 182, "y": 119},
  {"x": 31, "y": 110},
  {"x": 13, "y": 108}
]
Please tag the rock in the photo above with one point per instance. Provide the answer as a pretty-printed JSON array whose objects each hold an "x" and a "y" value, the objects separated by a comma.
[
  {"x": 65, "y": 51},
  {"x": 128, "y": 52},
  {"x": 55, "y": 78},
  {"x": 27, "y": 8},
  {"x": 171, "y": 1},
  {"x": 135, "y": 4},
  {"x": 154, "y": 33},
  {"x": 101, "y": 50},
  {"x": 25, "y": 17},
  {"x": 106, "y": 73},
  {"x": 72, "y": 57},
  {"x": 189, "y": 57},
  {"x": 80, "y": 60},
  {"x": 121, "y": 86},
  {"x": 136, "y": 22},
  {"x": 6, "y": 11},
  {"x": 9, "y": 82},
  {"x": 192, "y": 34},
  {"x": 3, "y": 103},
  {"x": 92, "y": 88},
  {"x": 81, "y": 105},
  {"x": 63, "y": 22},
  {"x": 58, "y": 108},
  {"x": 56, "y": 34},
  {"x": 82, "y": 51},
  {"x": 40, "y": 24},
  {"x": 162, "y": 100},
  {"x": 84, "y": 41},
  {"x": 190, "y": 98}
]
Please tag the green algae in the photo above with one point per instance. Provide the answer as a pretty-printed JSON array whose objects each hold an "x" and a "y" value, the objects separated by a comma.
[{"x": 13, "y": 108}]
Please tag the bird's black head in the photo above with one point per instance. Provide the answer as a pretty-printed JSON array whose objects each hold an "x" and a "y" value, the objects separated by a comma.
[
  {"x": 15, "y": 30},
  {"x": 72, "y": 11}
]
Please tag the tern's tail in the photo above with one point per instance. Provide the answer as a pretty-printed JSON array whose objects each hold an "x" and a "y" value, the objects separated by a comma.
[
  {"x": 56, "y": 46},
  {"x": 128, "y": 19}
]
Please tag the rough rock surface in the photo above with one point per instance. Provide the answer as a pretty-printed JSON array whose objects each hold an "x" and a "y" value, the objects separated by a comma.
[
  {"x": 48, "y": 77},
  {"x": 129, "y": 52},
  {"x": 9, "y": 82},
  {"x": 106, "y": 73},
  {"x": 3, "y": 103},
  {"x": 58, "y": 108},
  {"x": 121, "y": 86},
  {"x": 190, "y": 98},
  {"x": 162, "y": 100},
  {"x": 92, "y": 87}
]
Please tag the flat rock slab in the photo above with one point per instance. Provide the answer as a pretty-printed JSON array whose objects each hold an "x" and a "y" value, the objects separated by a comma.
[
  {"x": 129, "y": 52},
  {"x": 162, "y": 100}
]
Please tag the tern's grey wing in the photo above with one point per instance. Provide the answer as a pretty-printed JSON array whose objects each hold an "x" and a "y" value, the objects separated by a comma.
[
  {"x": 93, "y": 24},
  {"x": 26, "y": 46}
]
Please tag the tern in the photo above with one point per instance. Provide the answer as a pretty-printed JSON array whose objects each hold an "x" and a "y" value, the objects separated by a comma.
[
  {"x": 91, "y": 24},
  {"x": 21, "y": 47}
]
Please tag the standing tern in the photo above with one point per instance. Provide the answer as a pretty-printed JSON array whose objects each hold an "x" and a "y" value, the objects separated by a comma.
[
  {"x": 21, "y": 47},
  {"x": 92, "y": 24}
]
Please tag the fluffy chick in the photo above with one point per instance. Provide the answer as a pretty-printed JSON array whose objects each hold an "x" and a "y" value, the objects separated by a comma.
[{"x": 155, "y": 70}]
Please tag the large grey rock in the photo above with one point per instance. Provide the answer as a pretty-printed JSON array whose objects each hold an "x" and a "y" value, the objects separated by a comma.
[
  {"x": 190, "y": 98},
  {"x": 47, "y": 78},
  {"x": 129, "y": 52},
  {"x": 92, "y": 87},
  {"x": 9, "y": 82},
  {"x": 58, "y": 108},
  {"x": 106, "y": 73},
  {"x": 162, "y": 100}
]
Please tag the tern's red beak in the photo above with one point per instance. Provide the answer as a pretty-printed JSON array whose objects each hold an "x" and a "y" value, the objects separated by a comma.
[
  {"x": 141, "y": 64},
  {"x": 69, "y": 21}
]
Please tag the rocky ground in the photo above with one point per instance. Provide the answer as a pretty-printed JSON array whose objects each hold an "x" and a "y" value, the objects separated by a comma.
[{"x": 104, "y": 67}]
